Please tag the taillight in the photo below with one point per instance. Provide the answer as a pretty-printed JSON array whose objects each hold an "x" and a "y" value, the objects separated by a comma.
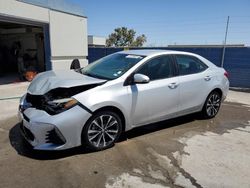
[{"x": 226, "y": 74}]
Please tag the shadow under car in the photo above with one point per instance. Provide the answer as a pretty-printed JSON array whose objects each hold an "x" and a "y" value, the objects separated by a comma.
[{"x": 25, "y": 149}]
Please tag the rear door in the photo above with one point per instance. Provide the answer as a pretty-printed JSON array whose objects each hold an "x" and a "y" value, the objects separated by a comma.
[
  {"x": 159, "y": 98},
  {"x": 194, "y": 79}
]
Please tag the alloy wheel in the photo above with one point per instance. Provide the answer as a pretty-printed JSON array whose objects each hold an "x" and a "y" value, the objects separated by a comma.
[
  {"x": 103, "y": 131},
  {"x": 213, "y": 104}
]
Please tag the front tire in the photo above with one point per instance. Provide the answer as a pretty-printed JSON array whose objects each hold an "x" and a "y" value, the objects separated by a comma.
[
  {"x": 102, "y": 130},
  {"x": 212, "y": 105}
]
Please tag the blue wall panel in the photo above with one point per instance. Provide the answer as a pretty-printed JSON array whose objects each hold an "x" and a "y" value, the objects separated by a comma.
[{"x": 237, "y": 60}]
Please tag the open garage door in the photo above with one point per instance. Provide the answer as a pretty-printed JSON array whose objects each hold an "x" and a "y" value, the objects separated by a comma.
[{"x": 22, "y": 51}]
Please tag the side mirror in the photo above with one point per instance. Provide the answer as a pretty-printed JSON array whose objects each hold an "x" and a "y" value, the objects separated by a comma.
[{"x": 141, "y": 79}]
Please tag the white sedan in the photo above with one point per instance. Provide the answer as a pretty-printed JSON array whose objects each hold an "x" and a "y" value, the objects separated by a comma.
[{"x": 92, "y": 106}]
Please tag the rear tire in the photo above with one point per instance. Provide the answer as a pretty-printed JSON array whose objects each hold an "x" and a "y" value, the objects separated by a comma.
[
  {"x": 102, "y": 130},
  {"x": 212, "y": 105}
]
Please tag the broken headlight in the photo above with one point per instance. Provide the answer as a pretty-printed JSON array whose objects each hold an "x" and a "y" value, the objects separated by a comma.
[{"x": 60, "y": 105}]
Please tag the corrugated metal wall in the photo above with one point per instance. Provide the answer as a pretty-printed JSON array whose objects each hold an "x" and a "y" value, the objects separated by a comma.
[{"x": 237, "y": 60}]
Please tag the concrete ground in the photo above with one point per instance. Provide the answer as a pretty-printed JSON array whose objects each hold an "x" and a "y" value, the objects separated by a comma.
[{"x": 183, "y": 152}]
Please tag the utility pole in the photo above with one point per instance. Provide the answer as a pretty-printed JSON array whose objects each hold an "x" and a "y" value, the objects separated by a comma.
[{"x": 225, "y": 43}]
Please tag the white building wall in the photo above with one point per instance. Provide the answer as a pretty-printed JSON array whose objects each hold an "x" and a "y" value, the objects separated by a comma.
[
  {"x": 68, "y": 33},
  {"x": 96, "y": 41},
  {"x": 13, "y": 8}
]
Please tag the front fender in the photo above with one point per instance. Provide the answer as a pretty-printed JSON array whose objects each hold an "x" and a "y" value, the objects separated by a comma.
[{"x": 112, "y": 96}]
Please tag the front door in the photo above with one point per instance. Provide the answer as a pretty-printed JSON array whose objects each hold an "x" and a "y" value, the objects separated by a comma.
[{"x": 158, "y": 99}]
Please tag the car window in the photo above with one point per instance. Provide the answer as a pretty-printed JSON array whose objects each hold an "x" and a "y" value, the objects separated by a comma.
[
  {"x": 189, "y": 65},
  {"x": 158, "y": 68}
]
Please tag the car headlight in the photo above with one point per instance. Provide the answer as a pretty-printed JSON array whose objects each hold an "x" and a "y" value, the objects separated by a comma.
[
  {"x": 60, "y": 105},
  {"x": 64, "y": 103},
  {"x": 70, "y": 103}
]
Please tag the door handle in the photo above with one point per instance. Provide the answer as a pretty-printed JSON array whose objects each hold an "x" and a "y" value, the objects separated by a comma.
[
  {"x": 207, "y": 78},
  {"x": 173, "y": 85}
]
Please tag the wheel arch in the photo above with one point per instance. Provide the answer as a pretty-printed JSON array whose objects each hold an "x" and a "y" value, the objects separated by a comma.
[
  {"x": 220, "y": 92},
  {"x": 217, "y": 90},
  {"x": 117, "y": 111},
  {"x": 112, "y": 109},
  {"x": 105, "y": 108},
  {"x": 214, "y": 89}
]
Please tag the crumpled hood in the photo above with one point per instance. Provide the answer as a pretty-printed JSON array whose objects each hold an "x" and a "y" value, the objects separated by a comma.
[{"x": 49, "y": 80}]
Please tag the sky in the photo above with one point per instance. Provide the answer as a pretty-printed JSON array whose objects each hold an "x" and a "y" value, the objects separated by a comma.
[{"x": 167, "y": 22}]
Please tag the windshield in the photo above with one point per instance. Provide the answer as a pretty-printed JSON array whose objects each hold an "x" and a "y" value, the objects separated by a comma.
[{"x": 112, "y": 66}]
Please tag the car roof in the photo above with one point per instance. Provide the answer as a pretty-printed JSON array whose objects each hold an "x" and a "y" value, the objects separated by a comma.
[{"x": 147, "y": 52}]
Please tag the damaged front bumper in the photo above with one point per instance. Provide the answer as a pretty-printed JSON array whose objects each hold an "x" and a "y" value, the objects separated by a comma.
[{"x": 52, "y": 132}]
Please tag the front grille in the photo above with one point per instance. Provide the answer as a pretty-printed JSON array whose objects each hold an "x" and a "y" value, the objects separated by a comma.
[
  {"x": 40, "y": 102},
  {"x": 27, "y": 133},
  {"x": 54, "y": 136}
]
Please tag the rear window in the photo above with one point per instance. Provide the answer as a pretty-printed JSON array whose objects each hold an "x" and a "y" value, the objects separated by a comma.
[{"x": 189, "y": 65}]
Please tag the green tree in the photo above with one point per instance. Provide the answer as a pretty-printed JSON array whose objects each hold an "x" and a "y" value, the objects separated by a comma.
[{"x": 124, "y": 37}]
